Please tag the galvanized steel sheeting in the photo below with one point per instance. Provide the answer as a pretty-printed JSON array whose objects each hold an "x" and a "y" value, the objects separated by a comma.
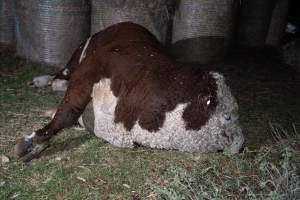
[{"x": 50, "y": 30}]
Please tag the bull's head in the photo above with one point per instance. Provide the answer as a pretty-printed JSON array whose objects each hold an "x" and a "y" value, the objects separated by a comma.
[{"x": 224, "y": 122}]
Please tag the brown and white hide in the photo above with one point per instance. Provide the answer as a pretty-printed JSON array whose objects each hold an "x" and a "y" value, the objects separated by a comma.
[
  {"x": 220, "y": 131},
  {"x": 123, "y": 86}
]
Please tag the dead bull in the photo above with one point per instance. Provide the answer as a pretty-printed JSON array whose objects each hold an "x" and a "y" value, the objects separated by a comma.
[{"x": 129, "y": 91}]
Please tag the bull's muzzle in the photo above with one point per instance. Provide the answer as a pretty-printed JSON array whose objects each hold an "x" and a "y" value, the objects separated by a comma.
[{"x": 237, "y": 141}]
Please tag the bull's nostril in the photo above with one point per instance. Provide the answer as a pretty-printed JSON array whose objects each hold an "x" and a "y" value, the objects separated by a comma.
[
  {"x": 30, "y": 83},
  {"x": 227, "y": 117},
  {"x": 225, "y": 135}
]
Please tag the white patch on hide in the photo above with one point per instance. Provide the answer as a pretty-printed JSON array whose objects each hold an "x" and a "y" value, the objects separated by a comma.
[
  {"x": 65, "y": 72},
  {"x": 29, "y": 137},
  {"x": 83, "y": 53},
  {"x": 208, "y": 102},
  {"x": 104, "y": 103},
  {"x": 173, "y": 133},
  {"x": 53, "y": 115},
  {"x": 80, "y": 121}
]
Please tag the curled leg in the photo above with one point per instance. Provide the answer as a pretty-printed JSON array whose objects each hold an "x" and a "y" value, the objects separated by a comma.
[
  {"x": 59, "y": 79},
  {"x": 65, "y": 73},
  {"x": 76, "y": 98}
]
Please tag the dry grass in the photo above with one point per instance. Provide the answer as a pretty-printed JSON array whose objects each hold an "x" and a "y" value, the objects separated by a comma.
[{"x": 272, "y": 172}]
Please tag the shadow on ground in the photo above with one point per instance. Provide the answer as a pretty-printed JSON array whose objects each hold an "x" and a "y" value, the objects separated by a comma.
[
  {"x": 267, "y": 91},
  {"x": 68, "y": 144}
]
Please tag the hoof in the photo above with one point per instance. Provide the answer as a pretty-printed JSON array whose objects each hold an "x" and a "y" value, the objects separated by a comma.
[{"x": 26, "y": 149}]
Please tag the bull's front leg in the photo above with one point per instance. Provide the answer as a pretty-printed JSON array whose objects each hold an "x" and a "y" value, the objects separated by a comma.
[{"x": 75, "y": 100}]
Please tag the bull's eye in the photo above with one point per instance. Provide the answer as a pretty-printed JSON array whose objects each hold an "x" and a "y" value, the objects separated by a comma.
[{"x": 227, "y": 116}]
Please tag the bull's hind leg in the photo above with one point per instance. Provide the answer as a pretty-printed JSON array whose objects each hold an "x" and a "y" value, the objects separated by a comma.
[
  {"x": 63, "y": 75},
  {"x": 74, "y": 62},
  {"x": 60, "y": 79},
  {"x": 76, "y": 98}
]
